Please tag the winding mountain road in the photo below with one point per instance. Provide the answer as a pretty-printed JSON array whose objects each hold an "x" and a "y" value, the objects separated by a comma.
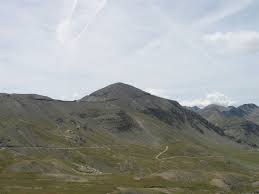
[
  {"x": 160, "y": 153},
  {"x": 173, "y": 157}
]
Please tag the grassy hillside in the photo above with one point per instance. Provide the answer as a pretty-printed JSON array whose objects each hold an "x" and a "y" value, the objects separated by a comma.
[{"x": 185, "y": 167}]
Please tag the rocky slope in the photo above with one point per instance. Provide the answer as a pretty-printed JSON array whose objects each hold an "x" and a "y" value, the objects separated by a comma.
[
  {"x": 240, "y": 123},
  {"x": 118, "y": 110}
]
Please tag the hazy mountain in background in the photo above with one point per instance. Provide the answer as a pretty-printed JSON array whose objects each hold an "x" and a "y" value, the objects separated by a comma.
[{"x": 241, "y": 122}]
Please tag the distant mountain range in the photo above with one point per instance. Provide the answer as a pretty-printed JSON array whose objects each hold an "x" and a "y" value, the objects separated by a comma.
[{"x": 241, "y": 123}]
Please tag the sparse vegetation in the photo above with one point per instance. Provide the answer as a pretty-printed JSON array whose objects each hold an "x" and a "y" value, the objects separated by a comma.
[{"x": 109, "y": 143}]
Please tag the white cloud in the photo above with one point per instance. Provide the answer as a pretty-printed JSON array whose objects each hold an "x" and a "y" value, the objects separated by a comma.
[
  {"x": 74, "y": 96},
  {"x": 158, "y": 92},
  {"x": 212, "y": 98},
  {"x": 234, "y": 42}
]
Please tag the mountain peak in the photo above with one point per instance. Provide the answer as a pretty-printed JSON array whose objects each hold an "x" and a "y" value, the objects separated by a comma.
[
  {"x": 115, "y": 91},
  {"x": 248, "y": 107}
]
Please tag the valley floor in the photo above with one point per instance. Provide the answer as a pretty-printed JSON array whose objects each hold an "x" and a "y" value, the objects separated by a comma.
[{"x": 125, "y": 169}]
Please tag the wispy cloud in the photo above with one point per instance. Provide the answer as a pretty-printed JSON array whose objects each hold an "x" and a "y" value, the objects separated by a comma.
[
  {"x": 212, "y": 98},
  {"x": 97, "y": 9},
  {"x": 234, "y": 42},
  {"x": 227, "y": 8},
  {"x": 74, "y": 25}
]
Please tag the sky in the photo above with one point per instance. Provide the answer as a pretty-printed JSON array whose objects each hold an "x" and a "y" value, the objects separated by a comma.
[{"x": 197, "y": 52}]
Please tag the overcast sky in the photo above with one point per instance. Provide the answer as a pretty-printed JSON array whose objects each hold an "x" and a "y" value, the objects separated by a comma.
[{"x": 194, "y": 51}]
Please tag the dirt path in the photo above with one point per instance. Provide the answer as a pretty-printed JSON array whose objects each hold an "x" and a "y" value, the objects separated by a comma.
[
  {"x": 160, "y": 153},
  {"x": 172, "y": 157},
  {"x": 56, "y": 148},
  {"x": 108, "y": 147}
]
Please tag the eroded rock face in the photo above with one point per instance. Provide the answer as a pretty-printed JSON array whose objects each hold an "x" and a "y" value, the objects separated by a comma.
[
  {"x": 117, "y": 122},
  {"x": 255, "y": 184},
  {"x": 5, "y": 142},
  {"x": 220, "y": 183}
]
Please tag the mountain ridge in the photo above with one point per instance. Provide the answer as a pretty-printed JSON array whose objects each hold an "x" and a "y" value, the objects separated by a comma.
[
  {"x": 240, "y": 123},
  {"x": 114, "y": 109}
]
